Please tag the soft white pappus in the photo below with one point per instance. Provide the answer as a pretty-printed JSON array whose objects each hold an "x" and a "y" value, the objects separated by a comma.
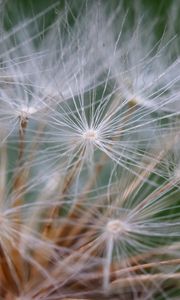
[
  {"x": 146, "y": 70},
  {"x": 41, "y": 66},
  {"x": 89, "y": 152},
  {"x": 85, "y": 128},
  {"x": 131, "y": 226}
]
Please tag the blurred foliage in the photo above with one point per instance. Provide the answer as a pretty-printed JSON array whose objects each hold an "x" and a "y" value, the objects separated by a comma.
[{"x": 17, "y": 8}]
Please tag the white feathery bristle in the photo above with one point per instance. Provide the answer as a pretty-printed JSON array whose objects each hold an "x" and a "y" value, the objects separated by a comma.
[{"x": 89, "y": 151}]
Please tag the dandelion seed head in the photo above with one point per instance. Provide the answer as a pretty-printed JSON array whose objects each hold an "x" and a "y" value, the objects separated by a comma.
[
  {"x": 25, "y": 112},
  {"x": 86, "y": 205},
  {"x": 28, "y": 110},
  {"x": 133, "y": 101},
  {"x": 116, "y": 227},
  {"x": 137, "y": 100},
  {"x": 90, "y": 135}
]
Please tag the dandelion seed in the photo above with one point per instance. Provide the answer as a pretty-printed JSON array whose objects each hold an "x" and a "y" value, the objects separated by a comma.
[
  {"x": 115, "y": 227},
  {"x": 90, "y": 135}
]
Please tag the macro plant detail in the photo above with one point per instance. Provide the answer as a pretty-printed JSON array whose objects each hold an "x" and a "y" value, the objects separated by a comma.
[{"x": 89, "y": 152}]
